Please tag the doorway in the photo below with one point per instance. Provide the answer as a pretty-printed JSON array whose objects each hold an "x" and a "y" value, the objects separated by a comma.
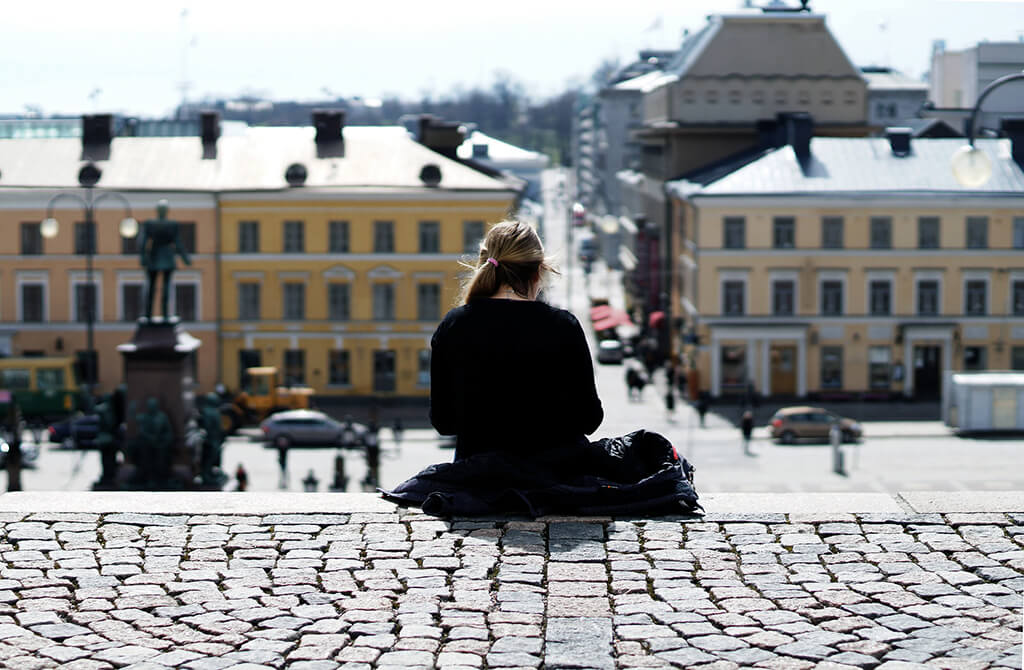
[
  {"x": 783, "y": 369},
  {"x": 927, "y": 371}
]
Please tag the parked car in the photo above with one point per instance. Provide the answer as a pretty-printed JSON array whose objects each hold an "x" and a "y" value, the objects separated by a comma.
[
  {"x": 790, "y": 424},
  {"x": 309, "y": 428},
  {"x": 29, "y": 453},
  {"x": 610, "y": 351},
  {"x": 76, "y": 432}
]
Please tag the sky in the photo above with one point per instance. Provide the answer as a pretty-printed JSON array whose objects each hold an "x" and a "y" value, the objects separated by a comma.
[{"x": 126, "y": 56}]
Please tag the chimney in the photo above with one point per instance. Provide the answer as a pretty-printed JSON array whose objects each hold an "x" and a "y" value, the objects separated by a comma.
[
  {"x": 444, "y": 137},
  {"x": 1014, "y": 129},
  {"x": 209, "y": 131},
  {"x": 899, "y": 140},
  {"x": 799, "y": 131},
  {"x": 330, "y": 138},
  {"x": 97, "y": 132}
]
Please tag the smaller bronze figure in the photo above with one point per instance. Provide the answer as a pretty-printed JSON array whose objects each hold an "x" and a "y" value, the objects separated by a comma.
[
  {"x": 159, "y": 244},
  {"x": 213, "y": 443},
  {"x": 107, "y": 440},
  {"x": 156, "y": 437}
]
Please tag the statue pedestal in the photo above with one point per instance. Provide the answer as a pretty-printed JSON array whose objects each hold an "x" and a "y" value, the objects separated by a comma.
[{"x": 159, "y": 362}]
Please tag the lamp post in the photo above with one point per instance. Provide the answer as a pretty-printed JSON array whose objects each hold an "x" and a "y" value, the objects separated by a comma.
[
  {"x": 578, "y": 212},
  {"x": 88, "y": 177},
  {"x": 972, "y": 166}
]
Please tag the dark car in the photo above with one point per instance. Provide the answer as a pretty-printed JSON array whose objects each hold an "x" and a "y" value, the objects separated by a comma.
[
  {"x": 77, "y": 432},
  {"x": 309, "y": 428},
  {"x": 790, "y": 424}
]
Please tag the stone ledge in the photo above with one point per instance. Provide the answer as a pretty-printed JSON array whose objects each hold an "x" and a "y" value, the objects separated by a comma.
[{"x": 344, "y": 503}]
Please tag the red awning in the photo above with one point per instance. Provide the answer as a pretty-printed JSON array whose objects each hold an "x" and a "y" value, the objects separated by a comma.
[
  {"x": 617, "y": 317},
  {"x": 600, "y": 312}
]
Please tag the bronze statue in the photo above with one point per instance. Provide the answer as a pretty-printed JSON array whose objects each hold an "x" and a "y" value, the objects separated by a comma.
[
  {"x": 159, "y": 244},
  {"x": 107, "y": 440},
  {"x": 210, "y": 459},
  {"x": 153, "y": 444}
]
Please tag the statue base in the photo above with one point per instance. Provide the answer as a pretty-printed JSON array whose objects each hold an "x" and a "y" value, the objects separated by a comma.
[{"x": 159, "y": 362}]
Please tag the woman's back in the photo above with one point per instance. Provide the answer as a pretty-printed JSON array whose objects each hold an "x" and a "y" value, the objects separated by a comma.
[{"x": 512, "y": 375}]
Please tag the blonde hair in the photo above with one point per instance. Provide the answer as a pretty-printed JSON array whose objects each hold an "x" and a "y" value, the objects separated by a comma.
[{"x": 518, "y": 261}]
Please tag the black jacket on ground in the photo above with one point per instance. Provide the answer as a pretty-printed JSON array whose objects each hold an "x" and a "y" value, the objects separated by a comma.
[
  {"x": 512, "y": 376},
  {"x": 637, "y": 473}
]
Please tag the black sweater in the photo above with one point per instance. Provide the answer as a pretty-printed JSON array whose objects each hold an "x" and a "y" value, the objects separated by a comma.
[{"x": 512, "y": 375}]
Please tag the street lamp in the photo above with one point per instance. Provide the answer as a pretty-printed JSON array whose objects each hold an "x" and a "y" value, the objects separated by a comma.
[
  {"x": 88, "y": 177},
  {"x": 578, "y": 214},
  {"x": 972, "y": 166}
]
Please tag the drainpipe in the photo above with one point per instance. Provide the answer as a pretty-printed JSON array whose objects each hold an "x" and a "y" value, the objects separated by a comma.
[{"x": 218, "y": 288}]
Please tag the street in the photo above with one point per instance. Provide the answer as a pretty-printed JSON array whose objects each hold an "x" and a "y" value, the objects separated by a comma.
[{"x": 894, "y": 455}]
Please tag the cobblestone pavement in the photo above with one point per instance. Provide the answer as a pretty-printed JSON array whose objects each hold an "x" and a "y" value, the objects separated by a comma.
[{"x": 400, "y": 589}]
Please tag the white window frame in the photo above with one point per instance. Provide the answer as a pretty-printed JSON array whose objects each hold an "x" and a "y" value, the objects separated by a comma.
[
  {"x": 832, "y": 275},
  {"x": 394, "y": 301},
  {"x": 784, "y": 275},
  {"x": 734, "y": 275},
  {"x": 929, "y": 275},
  {"x": 187, "y": 278},
  {"x": 976, "y": 275},
  {"x": 32, "y": 277},
  {"x": 880, "y": 275},
  {"x": 130, "y": 279},
  {"x": 77, "y": 277},
  {"x": 1014, "y": 277}
]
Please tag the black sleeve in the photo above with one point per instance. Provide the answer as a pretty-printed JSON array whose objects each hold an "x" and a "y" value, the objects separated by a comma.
[
  {"x": 587, "y": 412},
  {"x": 442, "y": 393}
]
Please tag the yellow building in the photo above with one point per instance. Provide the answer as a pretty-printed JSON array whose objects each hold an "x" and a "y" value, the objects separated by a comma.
[
  {"x": 330, "y": 252},
  {"x": 852, "y": 268}
]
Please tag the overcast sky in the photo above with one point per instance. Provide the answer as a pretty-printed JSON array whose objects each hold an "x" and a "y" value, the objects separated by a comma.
[{"x": 129, "y": 56}]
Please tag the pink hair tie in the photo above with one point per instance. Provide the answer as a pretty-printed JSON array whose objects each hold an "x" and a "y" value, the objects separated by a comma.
[{"x": 492, "y": 262}]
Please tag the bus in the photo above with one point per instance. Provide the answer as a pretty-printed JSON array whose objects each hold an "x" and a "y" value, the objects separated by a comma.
[{"x": 44, "y": 388}]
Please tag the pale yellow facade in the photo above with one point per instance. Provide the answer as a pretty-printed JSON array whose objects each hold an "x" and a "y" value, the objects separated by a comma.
[{"x": 854, "y": 320}]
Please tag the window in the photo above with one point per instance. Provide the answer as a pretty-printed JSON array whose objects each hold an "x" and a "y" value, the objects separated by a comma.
[
  {"x": 294, "y": 301},
  {"x": 975, "y": 358},
  {"x": 733, "y": 303},
  {"x": 88, "y": 364},
  {"x": 734, "y": 366},
  {"x": 338, "y": 301},
  {"x": 85, "y": 302},
  {"x": 294, "y": 367},
  {"x": 15, "y": 379},
  {"x": 977, "y": 232},
  {"x": 33, "y": 303},
  {"x": 50, "y": 379},
  {"x": 430, "y": 237},
  {"x": 784, "y": 232},
  {"x": 383, "y": 237},
  {"x": 185, "y": 302},
  {"x": 472, "y": 234},
  {"x": 1017, "y": 358},
  {"x": 85, "y": 238},
  {"x": 187, "y": 230},
  {"x": 1017, "y": 291},
  {"x": 249, "y": 301},
  {"x": 1018, "y": 232},
  {"x": 248, "y": 358},
  {"x": 337, "y": 237},
  {"x": 248, "y": 237},
  {"x": 782, "y": 297},
  {"x": 832, "y": 297},
  {"x": 384, "y": 370},
  {"x": 976, "y": 297},
  {"x": 129, "y": 245},
  {"x": 339, "y": 372},
  {"x": 31, "y": 239},
  {"x": 881, "y": 232},
  {"x": 832, "y": 232},
  {"x": 880, "y": 296},
  {"x": 879, "y": 359},
  {"x": 831, "y": 367},
  {"x": 428, "y": 302},
  {"x": 294, "y": 237},
  {"x": 384, "y": 302},
  {"x": 132, "y": 296},
  {"x": 928, "y": 297},
  {"x": 735, "y": 232},
  {"x": 423, "y": 367},
  {"x": 928, "y": 232}
]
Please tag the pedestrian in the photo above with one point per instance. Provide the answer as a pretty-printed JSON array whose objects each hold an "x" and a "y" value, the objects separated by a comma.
[
  {"x": 702, "y": 407},
  {"x": 635, "y": 382},
  {"x": 282, "y": 462},
  {"x": 242, "y": 477},
  {"x": 670, "y": 390},
  {"x": 747, "y": 428},
  {"x": 310, "y": 483},
  {"x": 397, "y": 430}
]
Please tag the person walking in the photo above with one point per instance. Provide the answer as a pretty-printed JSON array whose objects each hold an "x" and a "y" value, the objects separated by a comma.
[
  {"x": 702, "y": 407},
  {"x": 242, "y": 477},
  {"x": 747, "y": 428}
]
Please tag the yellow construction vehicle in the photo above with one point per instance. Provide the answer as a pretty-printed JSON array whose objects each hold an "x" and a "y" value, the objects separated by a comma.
[{"x": 261, "y": 396}]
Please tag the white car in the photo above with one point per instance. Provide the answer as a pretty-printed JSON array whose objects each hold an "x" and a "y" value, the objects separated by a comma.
[{"x": 610, "y": 351}]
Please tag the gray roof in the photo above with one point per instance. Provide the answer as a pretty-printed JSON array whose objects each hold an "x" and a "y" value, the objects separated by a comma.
[
  {"x": 844, "y": 166},
  {"x": 375, "y": 158},
  {"x": 892, "y": 81}
]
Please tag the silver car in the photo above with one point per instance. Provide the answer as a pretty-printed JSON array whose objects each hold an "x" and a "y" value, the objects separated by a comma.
[{"x": 309, "y": 428}]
